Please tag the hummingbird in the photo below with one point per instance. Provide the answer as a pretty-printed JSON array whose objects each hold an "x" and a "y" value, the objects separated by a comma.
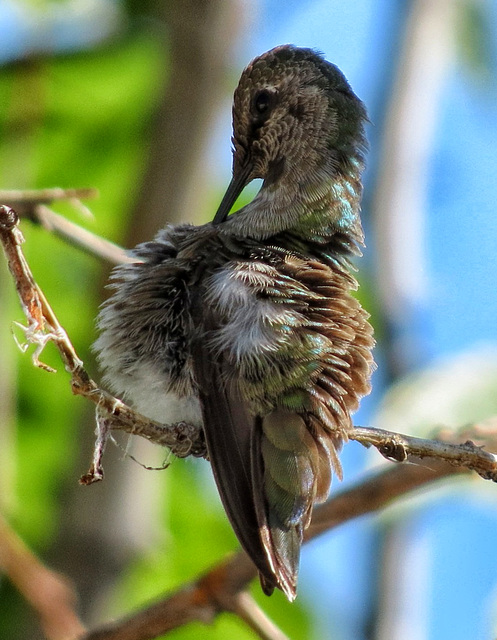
[{"x": 247, "y": 326}]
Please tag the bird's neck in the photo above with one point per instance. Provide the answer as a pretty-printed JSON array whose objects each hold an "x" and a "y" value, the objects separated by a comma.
[{"x": 312, "y": 208}]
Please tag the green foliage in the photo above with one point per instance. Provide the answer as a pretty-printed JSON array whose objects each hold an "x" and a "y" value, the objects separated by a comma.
[
  {"x": 475, "y": 37},
  {"x": 89, "y": 130},
  {"x": 73, "y": 121}
]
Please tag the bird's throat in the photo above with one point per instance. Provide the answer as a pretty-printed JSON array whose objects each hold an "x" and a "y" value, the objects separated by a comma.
[{"x": 313, "y": 208}]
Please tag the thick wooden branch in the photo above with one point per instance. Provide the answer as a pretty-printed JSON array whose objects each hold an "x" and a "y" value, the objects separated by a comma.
[
  {"x": 51, "y": 597},
  {"x": 217, "y": 589}
]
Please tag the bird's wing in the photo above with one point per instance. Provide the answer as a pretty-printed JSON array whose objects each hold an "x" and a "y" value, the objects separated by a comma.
[{"x": 229, "y": 433}]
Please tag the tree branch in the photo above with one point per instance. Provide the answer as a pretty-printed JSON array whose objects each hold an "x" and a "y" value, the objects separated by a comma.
[
  {"x": 32, "y": 204},
  {"x": 43, "y": 327},
  {"x": 401, "y": 448},
  {"x": 24, "y": 200},
  {"x": 47, "y": 592},
  {"x": 217, "y": 589},
  {"x": 248, "y": 610}
]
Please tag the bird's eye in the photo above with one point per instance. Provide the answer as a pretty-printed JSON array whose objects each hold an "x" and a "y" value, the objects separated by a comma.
[{"x": 262, "y": 102}]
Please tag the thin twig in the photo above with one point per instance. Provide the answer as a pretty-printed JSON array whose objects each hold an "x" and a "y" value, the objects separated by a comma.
[
  {"x": 47, "y": 592},
  {"x": 398, "y": 447},
  {"x": 78, "y": 236},
  {"x": 24, "y": 200},
  {"x": 249, "y": 611},
  {"x": 32, "y": 204},
  {"x": 43, "y": 327}
]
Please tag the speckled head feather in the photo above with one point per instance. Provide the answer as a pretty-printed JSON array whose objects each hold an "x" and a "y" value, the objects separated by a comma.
[
  {"x": 247, "y": 326},
  {"x": 296, "y": 124},
  {"x": 286, "y": 111}
]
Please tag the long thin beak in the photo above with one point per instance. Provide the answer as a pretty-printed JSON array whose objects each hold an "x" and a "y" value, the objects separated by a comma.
[{"x": 234, "y": 189}]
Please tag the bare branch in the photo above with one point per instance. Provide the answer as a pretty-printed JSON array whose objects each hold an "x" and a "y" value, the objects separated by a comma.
[
  {"x": 218, "y": 589},
  {"x": 398, "y": 447},
  {"x": 24, "y": 200},
  {"x": 47, "y": 592},
  {"x": 32, "y": 204},
  {"x": 249, "y": 611},
  {"x": 78, "y": 236},
  {"x": 44, "y": 327}
]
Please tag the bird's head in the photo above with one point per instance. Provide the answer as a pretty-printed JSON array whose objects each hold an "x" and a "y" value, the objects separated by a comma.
[{"x": 294, "y": 115}]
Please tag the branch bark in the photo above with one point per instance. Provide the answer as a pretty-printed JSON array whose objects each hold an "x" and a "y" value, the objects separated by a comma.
[
  {"x": 401, "y": 448},
  {"x": 47, "y": 592},
  {"x": 217, "y": 589},
  {"x": 33, "y": 204}
]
